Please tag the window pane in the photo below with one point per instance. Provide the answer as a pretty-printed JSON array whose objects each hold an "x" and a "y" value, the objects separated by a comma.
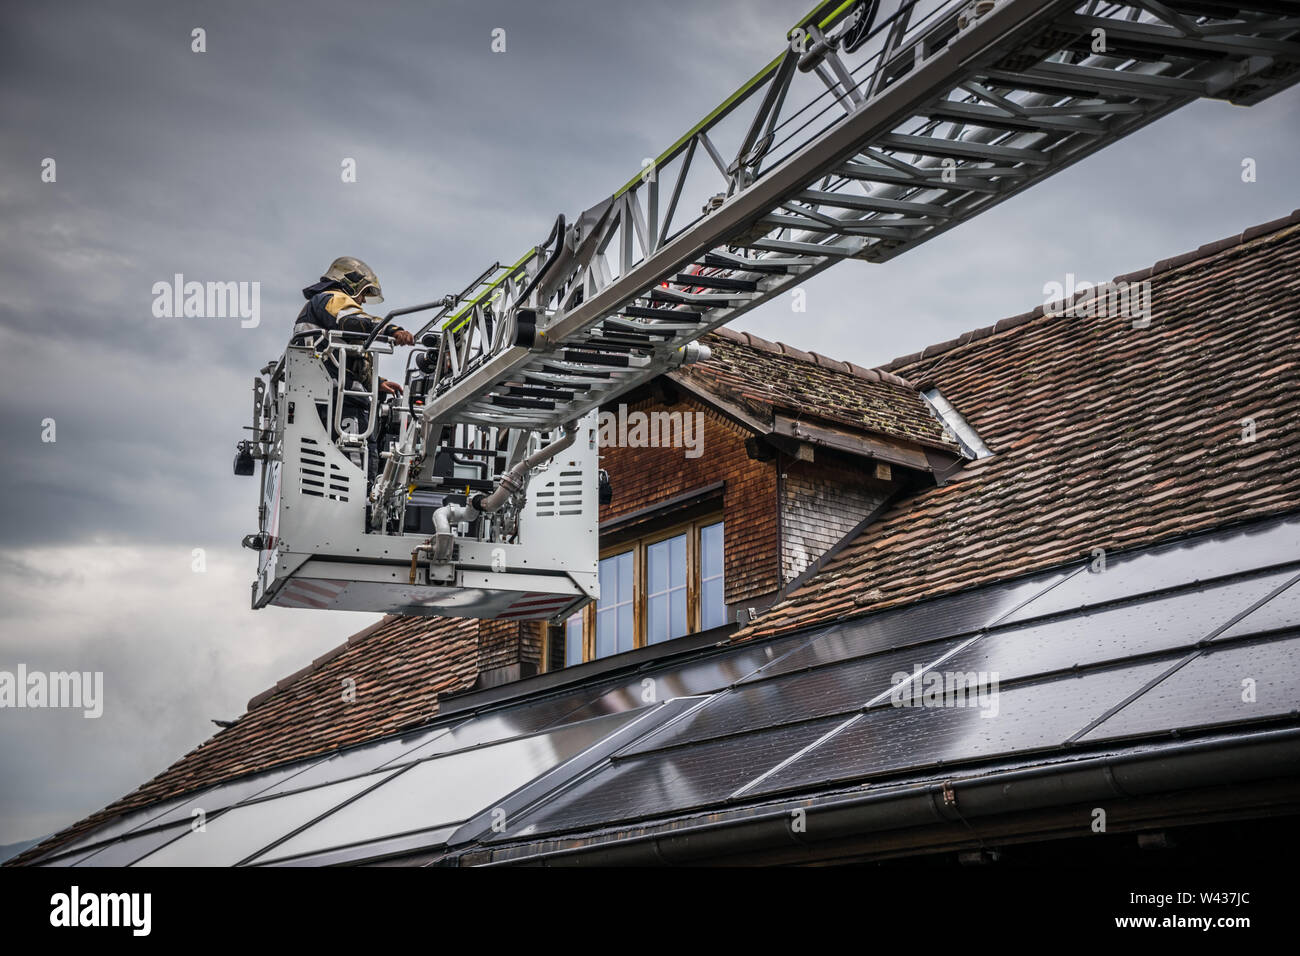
[
  {"x": 657, "y": 567},
  {"x": 712, "y": 611},
  {"x": 573, "y": 640},
  {"x": 711, "y": 551},
  {"x": 624, "y": 577},
  {"x": 657, "y": 619},
  {"x": 677, "y": 561},
  {"x": 605, "y": 632},
  {"x": 678, "y": 618},
  {"x": 614, "y": 609},
  {"x": 713, "y": 608},
  {"x": 626, "y": 630}
]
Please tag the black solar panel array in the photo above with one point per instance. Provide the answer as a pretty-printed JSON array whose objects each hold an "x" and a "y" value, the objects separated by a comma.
[
  {"x": 1198, "y": 634},
  {"x": 1056, "y": 660}
]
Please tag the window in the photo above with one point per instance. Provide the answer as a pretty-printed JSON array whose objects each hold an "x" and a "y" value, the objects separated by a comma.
[
  {"x": 664, "y": 585},
  {"x": 615, "y": 626},
  {"x": 665, "y": 589}
]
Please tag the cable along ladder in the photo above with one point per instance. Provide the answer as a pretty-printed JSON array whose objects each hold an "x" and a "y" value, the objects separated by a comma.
[{"x": 880, "y": 126}]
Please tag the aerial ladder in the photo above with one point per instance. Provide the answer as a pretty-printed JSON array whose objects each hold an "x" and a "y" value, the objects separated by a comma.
[{"x": 880, "y": 125}]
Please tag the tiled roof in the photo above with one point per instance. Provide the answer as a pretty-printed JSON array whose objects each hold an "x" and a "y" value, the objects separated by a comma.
[
  {"x": 1103, "y": 435},
  {"x": 764, "y": 378}
]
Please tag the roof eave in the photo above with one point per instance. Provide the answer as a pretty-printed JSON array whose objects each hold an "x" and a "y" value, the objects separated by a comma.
[{"x": 1152, "y": 773}]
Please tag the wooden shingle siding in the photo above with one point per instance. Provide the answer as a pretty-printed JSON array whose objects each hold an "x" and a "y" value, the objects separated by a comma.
[
  {"x": 644, "y": 477},
  {"x": 819, "y": 506}
]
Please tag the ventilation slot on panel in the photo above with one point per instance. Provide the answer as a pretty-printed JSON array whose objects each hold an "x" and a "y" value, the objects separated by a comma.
[
  {"x": 561, "y": 497},
  {"x": 570, "y": 502},
  {"x": 319, "y": 478}
]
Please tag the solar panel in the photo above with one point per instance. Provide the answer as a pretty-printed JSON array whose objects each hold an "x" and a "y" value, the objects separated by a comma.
[
  {"x": 618, "y": 694},
  {"x": 126, "y": 851},
  {"x": 65, "y": 859},
  {"x": 431, "y": 840},
  {"x": 950, "y": 616},
  {"x": 1283, "y": 610},
  {"x": 237, "y": 833},
  {"x": 1237, "y": 682},
  {"x": 677, "y": 679},
  {"x": 181, "y": 809},
  {"x": 832, "y": 689},
  {"x": 127, "y": 823},
  {"x": 1033, "y": 716},
  {"x": 228, "y": 794},
  {"x": 668, "y": 780},
  {"x": 445, "y": 790},
  {"x": 1188, "y": 561},
  {"x": 1113, "y": 633},
  {"x": 355, "y": 761}
]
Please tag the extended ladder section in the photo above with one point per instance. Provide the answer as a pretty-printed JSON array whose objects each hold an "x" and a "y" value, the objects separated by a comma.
[
  {"x": 869, "y": 136},
  {"x": 882, "y": 124}
]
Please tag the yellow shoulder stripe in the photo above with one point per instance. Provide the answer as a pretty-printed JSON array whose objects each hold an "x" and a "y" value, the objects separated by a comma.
[{"x": 338, "y": 301}]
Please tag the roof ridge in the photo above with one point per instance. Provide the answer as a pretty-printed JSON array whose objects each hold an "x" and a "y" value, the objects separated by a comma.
[
  {"x": 1206, "y": 251},
  {"x": 877, "y": 375}
]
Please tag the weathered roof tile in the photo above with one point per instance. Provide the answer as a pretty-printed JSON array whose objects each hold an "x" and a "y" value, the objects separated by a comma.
[{"x": 1103, "y": 435}]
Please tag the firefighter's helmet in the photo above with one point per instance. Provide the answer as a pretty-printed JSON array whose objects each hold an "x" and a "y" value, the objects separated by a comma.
[{"x": 355, "y": 277}]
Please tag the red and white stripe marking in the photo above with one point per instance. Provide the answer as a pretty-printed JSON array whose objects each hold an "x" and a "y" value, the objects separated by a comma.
[
  {"x": 313, "y": 593},
  {"x": 536, "y": 605}
]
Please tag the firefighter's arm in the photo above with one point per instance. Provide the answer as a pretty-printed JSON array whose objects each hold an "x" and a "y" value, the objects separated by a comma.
[
  {"x": 360, "y": 322},
  {"x": 341, "y": 312}
]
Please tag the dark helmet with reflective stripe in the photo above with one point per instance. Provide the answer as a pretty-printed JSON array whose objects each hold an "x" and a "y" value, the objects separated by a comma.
[{"x": 355, "y": 278}]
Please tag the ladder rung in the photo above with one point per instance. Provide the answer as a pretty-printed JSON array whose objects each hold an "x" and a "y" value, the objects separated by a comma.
[
  {"x": 803, "y": 248},
  {"x": 532, "y": 380},
  {"x": 506, "y": 401},
  {"x": 611, "y": 336},
  {"x": 992, "y": 118},
  {"x": 926, "y": 179},
  {"x": 552, "y": 376},
  {"x": 667, "y": 315},
  {"x": 533, "y": 391},
  {"x": 595, "y": 358},
  {"x": 713, "y": 300},
  {"x": 931, "y": 146},
  {"x": 1079, "y": 81},
  {"x": 717, "y": 282},
  {"x": 550, "y": 368},
  {"x": 882, "y": 228},
  {"x": 870, "y": 204},
  {"x": 772, "y": 266},
  {"x": 667, "y": 331},
  {"x": 610, "y": 345}
]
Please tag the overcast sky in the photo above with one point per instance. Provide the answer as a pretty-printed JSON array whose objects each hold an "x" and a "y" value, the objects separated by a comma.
[{"x": 225, "y": 165}]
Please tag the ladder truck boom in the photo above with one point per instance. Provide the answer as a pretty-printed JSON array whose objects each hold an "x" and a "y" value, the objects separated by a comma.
[{"x": 879, "y": 126}]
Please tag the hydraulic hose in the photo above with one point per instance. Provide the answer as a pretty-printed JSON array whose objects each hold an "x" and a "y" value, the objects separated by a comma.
[
  {"x": 512, "y": 482},
  {"x": 556, "y": 236}
]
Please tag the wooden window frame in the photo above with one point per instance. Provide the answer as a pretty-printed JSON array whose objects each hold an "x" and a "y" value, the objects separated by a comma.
[{"x": 638, "y": 546}]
